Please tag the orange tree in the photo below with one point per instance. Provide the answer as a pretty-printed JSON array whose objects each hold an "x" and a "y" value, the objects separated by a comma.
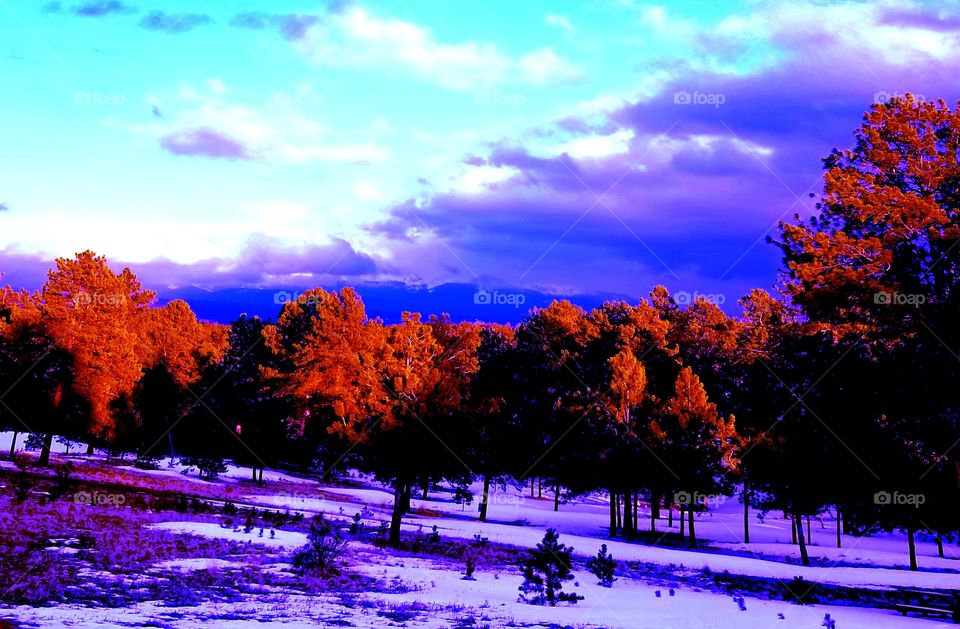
[
  {"x": 551, "y": 395},
  {"x": 880, "y": 262},
  {"x": 427, "y": 368},
  {"x": 33, "y": 371},
  {"x": 693, "y": 443},
  {"x": 492, "y": 420},
  {"x": 625, "y": 363},
  {"x": 254, "y": 407},
  {"x": 706, "y": 341},
  {"x": 95, "y": 316},
  {"x": 181, "y": 355},
  {"x": 391, "y": 392}
]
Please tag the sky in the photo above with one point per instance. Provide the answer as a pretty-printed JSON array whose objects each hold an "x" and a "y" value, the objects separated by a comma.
[{"x": 565, "y": 148}]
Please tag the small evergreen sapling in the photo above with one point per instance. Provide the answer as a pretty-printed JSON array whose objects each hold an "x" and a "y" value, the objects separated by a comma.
[
  {"x": 545, "y": 570},
  {"x": 470, "y": 558},
  {"x": 325, "y": 546},
  {"x": 603, "y": 567}
]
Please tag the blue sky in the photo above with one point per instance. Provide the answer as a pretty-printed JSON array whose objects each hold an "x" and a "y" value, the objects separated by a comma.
[{"x": 568, "y": 147}]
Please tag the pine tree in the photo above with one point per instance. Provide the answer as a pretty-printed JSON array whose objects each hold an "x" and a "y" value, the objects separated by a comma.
[
  {"x": 545, "y": 571},
  {"x": 603, "y": 567}
]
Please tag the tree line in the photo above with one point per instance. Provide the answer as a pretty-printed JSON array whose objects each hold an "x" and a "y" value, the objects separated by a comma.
[{"x": 835, "y": 394}]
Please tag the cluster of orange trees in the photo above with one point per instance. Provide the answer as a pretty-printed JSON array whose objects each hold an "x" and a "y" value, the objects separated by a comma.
[{"x": 836, "y": 396}]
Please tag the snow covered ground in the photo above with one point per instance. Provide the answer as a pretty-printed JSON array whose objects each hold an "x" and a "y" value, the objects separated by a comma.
[{"x": 433, "y": 593}]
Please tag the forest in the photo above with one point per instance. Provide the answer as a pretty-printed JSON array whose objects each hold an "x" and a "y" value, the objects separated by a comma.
[{"x": 834, "y": 391}]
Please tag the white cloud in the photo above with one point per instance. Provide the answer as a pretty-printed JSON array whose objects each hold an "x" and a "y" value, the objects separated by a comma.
[
  {"x": 544, "y": 66},
  {"x": 282, "y": 130},
  {"x": 654, "y": 16},
  {"x": 559, "y": 20},
  {"x": 347, "y": 153},
  {"x": 217, "y": 86},
  {"x": 477, "y": 179},
  {"x": 355, "y": 38},
  {"x": 368, "y": 190},
  {"x": 594, "y": 146}
]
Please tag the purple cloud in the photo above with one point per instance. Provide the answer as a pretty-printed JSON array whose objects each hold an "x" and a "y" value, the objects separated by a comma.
[
  {"x": 919, "y": 17},
  {"x": 205, "y": 142},
  {"x": 263, "y": 261},
  {"x": 102, "y": 8},
  {"x": 292, "y": 26},
  {"x": 714, "y": 160},
  {"x": 4, "y": 207},
  {"x": 173, "y": 23}
]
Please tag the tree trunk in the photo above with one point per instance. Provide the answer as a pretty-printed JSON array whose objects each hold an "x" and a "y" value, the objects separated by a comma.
[
  {"x": 485, "y": 500},
  {"x": 533, "y": 486},
  {"x": 913, "y": 549},
  {"x": 399, "y": 493},
  {"x": 746, "y": 514},
  {"x": 940, "y": 546},
  {"x": 540, "y": 487},
  {"x": 839, "y": 541},
  {"x": 798, "y": 525},
  {"x": 619, "y": 511},
  {"x": 627, "y": 516},
  {"x": 253, "y": 474},
  {"x": 44, "y": 459},
  {"x": 636, "y": 511},
  {"x": 556, "y": 497},
  {"x": 693, "y": 530},
  {"x": 809, "y": 534},
  {"x": 670, "y": 515},
  {"x": 682, "y": 520},
  {"x": 613, "y": 514},
  {"x": 653, "y": 519},
  {"x": 793, "y": 528},
  {"x": 13, "y": 444},
  {"x": 655, "y": 499},
  {"x": 260, "y": 479},
  {"x": 90, "y": 449}
]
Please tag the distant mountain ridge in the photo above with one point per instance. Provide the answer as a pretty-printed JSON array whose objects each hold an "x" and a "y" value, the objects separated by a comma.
[{"x": 387, "y": 300}]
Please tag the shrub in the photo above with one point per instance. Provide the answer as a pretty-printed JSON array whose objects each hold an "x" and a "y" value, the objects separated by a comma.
[
  {"x": 462, "y": 496},
  {"x": 544, "y": 571},
  {"x": 603, "y": 566},
  {"x": 34, "y": 441},
  {"x": 356, "y": 527},
  {"x": 209, "y": 469},
  {"x": 23, "y": 482},
  {"x": 325, "y": 546},
  {"x": 147, "y": 462},
  {"x": 62, "y": 484},
  {"x": 470, "y": 559},
  {"x": 800, "y": 591}
]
